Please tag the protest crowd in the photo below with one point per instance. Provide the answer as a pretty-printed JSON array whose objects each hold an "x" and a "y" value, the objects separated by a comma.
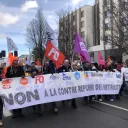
[
  {"x": 18, "y": 70},
  {"x": 58, "y": 64}
]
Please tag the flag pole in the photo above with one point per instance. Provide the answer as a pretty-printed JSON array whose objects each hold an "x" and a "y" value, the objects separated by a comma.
[
  {"x": 72, "y": 59},
  {"x": 44, "y": 58},
  {"x": 81, "y": 63}
]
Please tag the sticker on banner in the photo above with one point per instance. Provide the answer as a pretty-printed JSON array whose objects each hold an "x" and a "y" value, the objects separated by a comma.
[
  {"x": 54, "y": 77},
  {"x": 77, "y": 75},
  {"x": 118, "y": 75},
  {"x": 86, "y": 74},
  {"x": 65, "y": 77},
  {"x": 109, "y": 74},
  {"x": 39, "y": 79},
  {"x": 96, "y": 74},
  {"x": 6, "y": 84},
  {"x": 23, "y": 81}
]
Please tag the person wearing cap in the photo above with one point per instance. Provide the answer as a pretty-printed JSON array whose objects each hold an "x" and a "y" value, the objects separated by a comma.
[{"x": 15, "y": 70}]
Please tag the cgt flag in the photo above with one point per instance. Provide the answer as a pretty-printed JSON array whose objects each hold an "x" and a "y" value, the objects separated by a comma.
[{"x": 54, "y": 54}]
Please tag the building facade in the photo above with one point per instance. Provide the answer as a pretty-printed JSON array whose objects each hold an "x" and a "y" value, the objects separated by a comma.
[
  {"x": 96, "y": 26},
  {"x": 105, "y": 29},
  {"x": 81, "y": 21}
]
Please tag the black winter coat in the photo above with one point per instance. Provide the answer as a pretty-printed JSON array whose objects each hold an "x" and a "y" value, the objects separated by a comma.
[
  {"x": 63, "y": 69},
  {"x": 51, "y": 68},
  {"x": 15, "y": 71}
]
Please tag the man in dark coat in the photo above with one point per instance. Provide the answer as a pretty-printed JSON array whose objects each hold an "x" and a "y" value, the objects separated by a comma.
[
  {"x": 51, "y": 69},
  {"x": 13, "y": 71},
  {"x": 65, "y": 67}
]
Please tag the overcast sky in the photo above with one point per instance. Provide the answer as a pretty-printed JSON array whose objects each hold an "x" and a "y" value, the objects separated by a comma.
[{"x": 15, "y": 15}]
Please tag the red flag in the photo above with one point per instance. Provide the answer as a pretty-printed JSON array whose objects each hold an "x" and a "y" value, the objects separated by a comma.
[
  {"x": 9, "y": 60},
  {"x": 54, "y": 54},
  {"x": 100, "y": 59},
  {"x": 38, "y": 62}
]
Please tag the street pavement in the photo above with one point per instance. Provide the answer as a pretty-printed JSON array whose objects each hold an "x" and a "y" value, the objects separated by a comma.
[{"x": 94, "y": 115}]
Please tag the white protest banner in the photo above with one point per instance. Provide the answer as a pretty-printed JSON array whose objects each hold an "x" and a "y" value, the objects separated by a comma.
[{"x": 24, "y": 92}]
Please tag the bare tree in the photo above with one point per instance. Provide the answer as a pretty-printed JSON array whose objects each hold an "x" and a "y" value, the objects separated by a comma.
[
  {"x": 67, "y": 30},
  {"x": 35, "y": 34},
  {"x": 118, "y": 17}
]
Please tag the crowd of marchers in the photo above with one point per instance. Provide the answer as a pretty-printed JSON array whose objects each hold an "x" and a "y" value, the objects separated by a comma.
[{"x": 19, "y": 70}]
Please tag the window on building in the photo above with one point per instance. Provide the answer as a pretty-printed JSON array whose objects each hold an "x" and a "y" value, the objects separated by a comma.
[
  {"x": 82, "y": 24},
  {"x": 74, "y": 17},
  {"x": 107, "y": 13},
  {"x": 107, "y": 39},
  {"x": 82, "y": 14},
  {"x": 62, "y": 28},
  {"x": 107, "y": 26},
  {"x": 82, "y": 34},
  {"x": 74, "y": 35},
  {"x": 108, "y": 2},
  {"x": 74, "y": 27}
]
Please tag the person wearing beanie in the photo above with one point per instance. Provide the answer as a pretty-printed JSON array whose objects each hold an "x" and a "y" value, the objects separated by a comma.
[{"x": 15, "y": 70}]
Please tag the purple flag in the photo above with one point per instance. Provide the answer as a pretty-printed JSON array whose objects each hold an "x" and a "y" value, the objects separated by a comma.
[{"x": 80, "y": 48}]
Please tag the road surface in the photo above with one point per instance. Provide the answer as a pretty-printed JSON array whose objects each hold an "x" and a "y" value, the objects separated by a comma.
[{"x": 95, "y": 115}]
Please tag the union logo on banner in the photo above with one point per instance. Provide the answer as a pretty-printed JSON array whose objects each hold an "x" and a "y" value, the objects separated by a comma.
[
  {"x": 65, "y": 76},
  {"x": 86, "y": 74},
  {"x": 23, "y": 81},
  {"x": 77, "y": 75},
  {"x": 118, "y": 75},
  {"x": 6, "y": 84},
  {"x": 109, "y": 74}
]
